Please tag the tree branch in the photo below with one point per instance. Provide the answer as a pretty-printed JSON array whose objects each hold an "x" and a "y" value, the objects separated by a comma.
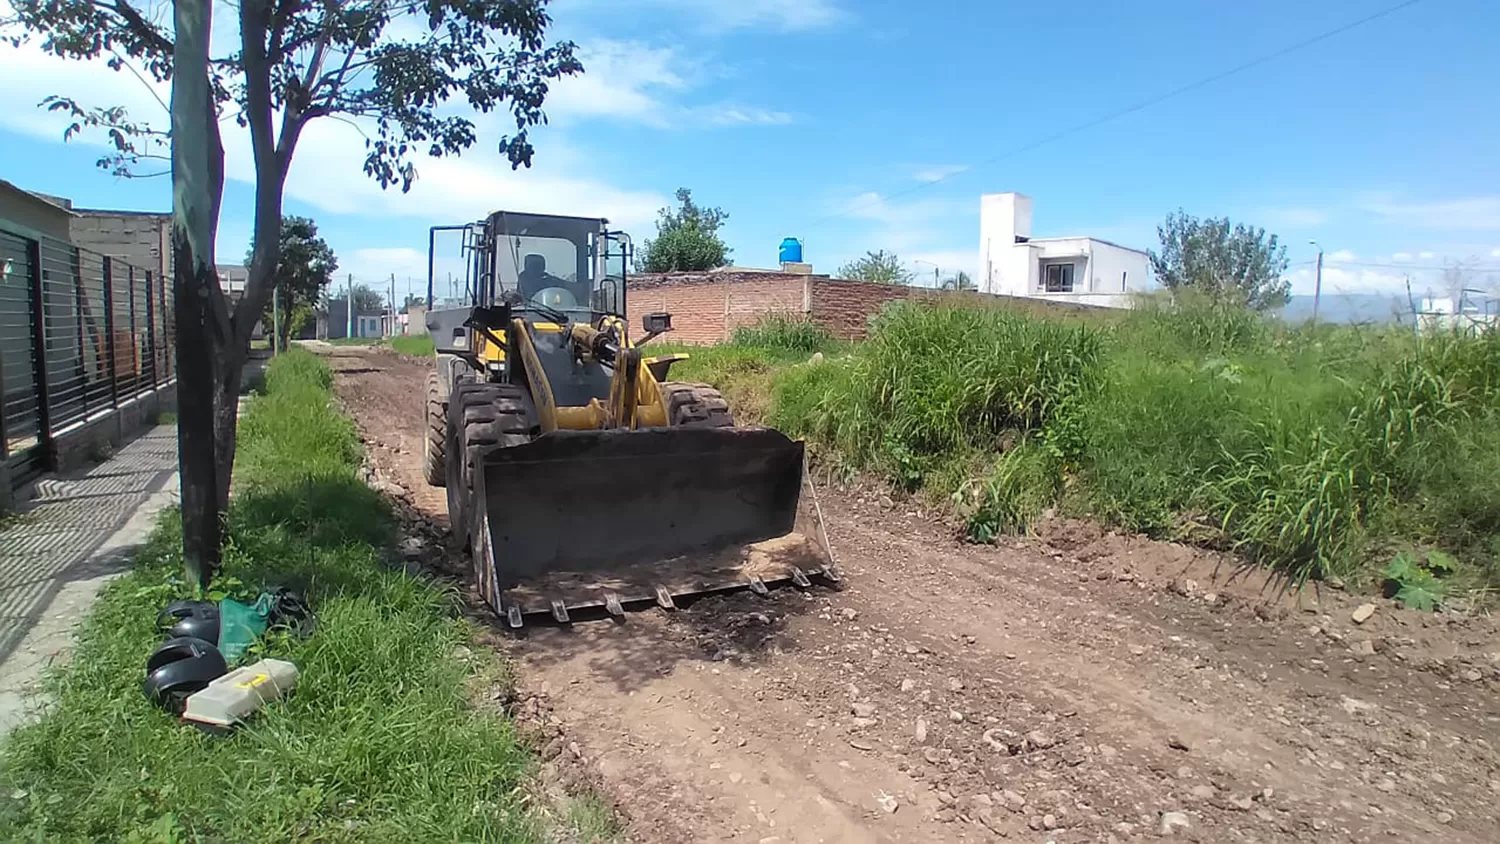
[{"x": 143, "y": 29}]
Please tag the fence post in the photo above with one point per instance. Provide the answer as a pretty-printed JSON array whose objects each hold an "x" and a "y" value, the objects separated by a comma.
[
  {"x": 79, "y": 297},
  {"x": 151, "y": 329},
  {"x": 135, "y": 346},
  {"x": 110, "y": 348},
  {"x": 39, "y": 356}
]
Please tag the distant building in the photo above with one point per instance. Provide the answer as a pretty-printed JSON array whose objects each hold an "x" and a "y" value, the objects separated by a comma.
[
  {"x": 334, "y": 324},
  {"x": 1079, "y": 270}
]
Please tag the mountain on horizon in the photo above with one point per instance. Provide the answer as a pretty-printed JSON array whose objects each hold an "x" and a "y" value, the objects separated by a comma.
[{"x": 1349, "y": 308}]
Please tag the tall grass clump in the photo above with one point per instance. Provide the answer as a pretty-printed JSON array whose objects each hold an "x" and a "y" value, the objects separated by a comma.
[
  {"x": 1318, "y": 450},
  {"x": 934, "y": 383},
  {"x": 378, "y": 742},
  {"x": 784, "y": 333}
]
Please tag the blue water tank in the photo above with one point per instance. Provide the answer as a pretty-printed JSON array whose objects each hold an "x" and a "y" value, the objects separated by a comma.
[{"x": 791, "y": 251}]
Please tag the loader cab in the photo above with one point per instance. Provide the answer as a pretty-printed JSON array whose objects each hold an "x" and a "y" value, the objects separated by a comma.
[{"x": 535, "y": 262}]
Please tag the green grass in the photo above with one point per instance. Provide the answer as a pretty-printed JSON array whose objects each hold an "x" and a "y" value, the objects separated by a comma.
[
  {"x": 355, "y": 341},
  {"x": 414, "y": 345},
  {"x": 379, "y": 741},
  {"x": 1317, "y": 450}
]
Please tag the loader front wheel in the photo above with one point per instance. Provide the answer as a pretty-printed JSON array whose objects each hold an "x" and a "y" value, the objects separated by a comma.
[
  {"x": 695, "y": 406},
  {"x": 435, "y": 444},
  {"x": 480, "y": 417}
]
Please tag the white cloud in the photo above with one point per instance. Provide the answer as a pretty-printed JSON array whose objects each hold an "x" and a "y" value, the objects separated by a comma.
[
  {"x": 1348, "y": 280},
  {"x": 1475, "y": 212},
  {"x": 939, "y": 172},
  {"x": 1341, "y": 256},
  {"x": 1426, "y": 256},
  {"x": 1495, "y": 253},
  {"x": 724, "y": 15},
  {"x": 1401, "y": 257},
  {"x": 327, "y": 169},
  {"x": 373, "y": 263},
  {"x": 730, "y": 115},
  {"x": 916, "y": 230},
  {"x": 620, "y": 79}
]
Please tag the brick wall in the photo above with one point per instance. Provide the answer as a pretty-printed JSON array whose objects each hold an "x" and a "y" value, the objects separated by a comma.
[
  {"x": 844, "y": 307},
  {"x": 706, "y": 307}
]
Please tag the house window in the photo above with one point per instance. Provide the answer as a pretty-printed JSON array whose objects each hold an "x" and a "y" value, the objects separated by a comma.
[{"x": 1058, "y": 278}]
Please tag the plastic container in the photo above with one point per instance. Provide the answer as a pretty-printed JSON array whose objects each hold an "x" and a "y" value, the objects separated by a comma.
[{"x": 791, "y": 251}]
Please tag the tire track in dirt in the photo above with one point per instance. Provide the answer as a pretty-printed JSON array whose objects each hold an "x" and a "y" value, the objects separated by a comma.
[{"x": 1097, "y": 688}]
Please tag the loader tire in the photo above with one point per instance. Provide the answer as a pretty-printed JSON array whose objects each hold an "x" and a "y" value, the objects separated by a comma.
[
  {"x": 695, "y": 406},
  {"x": 435, "y": 444},
  {"x": 480, "y": 417}
]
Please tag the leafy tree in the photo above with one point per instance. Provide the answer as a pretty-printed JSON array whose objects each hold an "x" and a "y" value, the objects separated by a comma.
[
  {"x": 959, "y": 281},
  {"x": 686, "y": 239},
  {"x": 391, "y": 68},
  {"x": 878, "y": 267},
  {"x": 1238, "y": 265},
  {"x": 367, "y": 299},
  {"x": 304, "y": 267}
]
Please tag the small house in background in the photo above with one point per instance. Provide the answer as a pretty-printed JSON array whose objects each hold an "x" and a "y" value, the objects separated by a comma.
[
  {"x": 1078, "y": 270},
  {"x": 334, "y": 323}
]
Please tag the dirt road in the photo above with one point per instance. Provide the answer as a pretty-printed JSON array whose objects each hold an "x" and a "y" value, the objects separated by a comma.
[{"x": 1079, "y": 687}]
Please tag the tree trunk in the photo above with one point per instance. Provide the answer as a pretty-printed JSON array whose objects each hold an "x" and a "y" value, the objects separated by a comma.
[
  {"x": 226, "y": 421},
  {"x": 196, "y": 459},
  {"x": 203, "y": 328}
]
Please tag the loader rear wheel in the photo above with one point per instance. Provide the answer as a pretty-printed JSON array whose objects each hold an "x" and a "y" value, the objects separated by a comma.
[
  {"x": 435, "y": 444},
  {"x": 480, "y": 417},
  {"x": 695, "y": 406}
]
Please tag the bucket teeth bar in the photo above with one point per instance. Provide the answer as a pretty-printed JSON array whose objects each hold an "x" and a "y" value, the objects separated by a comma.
[{"x": 613, "y": 603}]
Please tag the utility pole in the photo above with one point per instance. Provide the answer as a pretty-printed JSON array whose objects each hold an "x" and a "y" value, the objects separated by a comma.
[
  {"x": 1318, "y": 283},
  {"x": 275, "y": 320},
  {"x": 349, "y": 323}
]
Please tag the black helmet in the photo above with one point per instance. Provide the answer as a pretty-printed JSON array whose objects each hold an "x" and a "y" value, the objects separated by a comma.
[
  {"x": 198, "y": 619},
  {"x": 181, "y": 666}
]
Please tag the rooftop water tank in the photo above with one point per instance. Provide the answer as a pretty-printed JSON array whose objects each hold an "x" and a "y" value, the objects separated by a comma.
[{"x": 791, "y": 251}]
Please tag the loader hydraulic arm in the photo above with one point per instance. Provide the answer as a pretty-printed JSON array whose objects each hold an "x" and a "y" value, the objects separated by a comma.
[{"x": 624, "y": 387}]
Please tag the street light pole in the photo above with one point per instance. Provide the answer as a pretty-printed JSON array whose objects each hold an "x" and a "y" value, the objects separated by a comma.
[
  {"x": 1317, "y": 283},
  {"x": 936, "y": 270}
]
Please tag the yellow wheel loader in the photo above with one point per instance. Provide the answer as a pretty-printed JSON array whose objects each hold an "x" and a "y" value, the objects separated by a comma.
[{"x": 580, "y": 477}]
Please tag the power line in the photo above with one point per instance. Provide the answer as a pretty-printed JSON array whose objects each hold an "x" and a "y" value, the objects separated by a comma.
[{"x": 1143, "y": 104}]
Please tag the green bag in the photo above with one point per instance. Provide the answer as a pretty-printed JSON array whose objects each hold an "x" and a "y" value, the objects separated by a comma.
[{"x": 241, "y": 624}]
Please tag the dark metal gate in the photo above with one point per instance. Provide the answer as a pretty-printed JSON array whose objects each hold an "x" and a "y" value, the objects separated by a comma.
[{"x": 81, "y": 335}]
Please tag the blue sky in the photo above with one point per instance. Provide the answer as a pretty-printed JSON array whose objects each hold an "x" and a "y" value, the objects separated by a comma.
[{"x": 830, "y": 119}]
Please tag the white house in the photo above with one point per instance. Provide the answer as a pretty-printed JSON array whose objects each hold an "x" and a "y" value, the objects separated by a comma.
[{"x": 1082, "y": 270}]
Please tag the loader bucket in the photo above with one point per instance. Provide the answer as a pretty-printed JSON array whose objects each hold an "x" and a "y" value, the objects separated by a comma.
[{"x": 579, "y": 519}]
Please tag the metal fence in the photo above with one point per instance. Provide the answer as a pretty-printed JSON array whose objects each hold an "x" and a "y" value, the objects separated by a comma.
[{"x": 81, "y": 335}]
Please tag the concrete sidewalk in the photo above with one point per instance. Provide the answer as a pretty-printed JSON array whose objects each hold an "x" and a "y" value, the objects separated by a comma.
[{"x": 73, "y": 536}]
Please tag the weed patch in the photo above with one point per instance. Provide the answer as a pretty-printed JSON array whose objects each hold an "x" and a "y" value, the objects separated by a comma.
[
  {"x": 1310, "y": 449},
  {"x": 377, "y": 743},
  {"x": 413, "y": 345}
]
